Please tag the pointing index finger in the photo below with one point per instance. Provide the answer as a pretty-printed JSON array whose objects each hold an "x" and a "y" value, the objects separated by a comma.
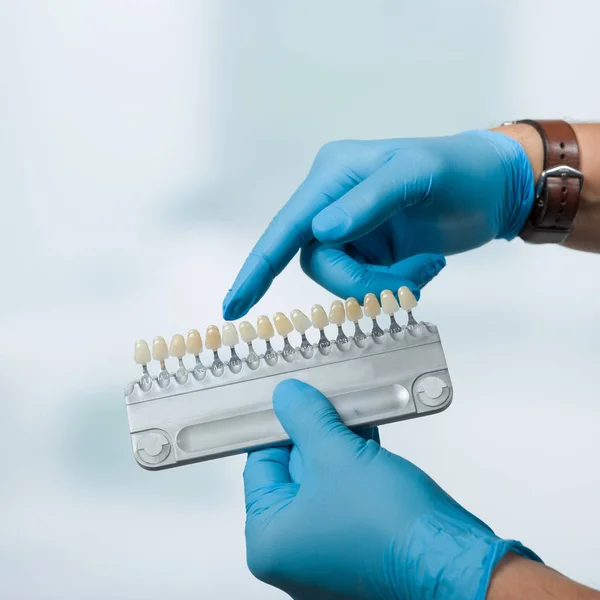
[{"x": 286, "y": 234}]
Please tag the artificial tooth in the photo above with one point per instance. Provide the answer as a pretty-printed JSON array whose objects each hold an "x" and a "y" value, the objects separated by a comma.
[
  {"x": 353, "y": 310},
  {"x": 177, "y": 350},
  {"x": 194, "y": 347},
  {"x": 212, "y": 341},
  {"x": 142, "y": 353},
  {"x": 160, "y": 352},
  {"x": 319, "y": 317},
  {"x": 354, "y": 313},
  {"x": 372, "y": 307},
  {"x": 142, "y": 357},
  {"x": 302, "y": 324},
  {"x": 300, "y": 320},
  {"x": 230, "y": 335},
  {"x": 407, "y": 299},
  {"x": 264, "y": 327},
  {"x": 373, "y": 310},
  {"x": 320, "y": 321},
  {"x": 248, "y": 334},
  {"x": 194, "y": 342},
  {"x": 282, "y": 324},
  {"x": 284, "y": 328},
  {"x": 266, "y": 332},
  {"x": 390, "y": 305},
  {"x": 230, "y": 339},
  {"x": 408, "y": 302},
  {"x": 337, "y": 316}
]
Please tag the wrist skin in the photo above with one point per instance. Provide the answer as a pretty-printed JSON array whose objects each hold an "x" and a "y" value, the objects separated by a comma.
[
  {"x": 585, "y": 234},
  {"x": 518, "y": 578}
]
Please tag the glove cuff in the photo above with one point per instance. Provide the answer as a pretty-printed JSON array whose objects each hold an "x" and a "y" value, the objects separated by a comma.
[
  {"x": 519, "y": 182},
  {"x": 450, "y": 559},
  {"x": 495, "y": 555}
]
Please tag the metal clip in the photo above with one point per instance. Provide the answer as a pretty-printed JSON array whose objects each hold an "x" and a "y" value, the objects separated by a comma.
[{"x": 562, "y": 171}]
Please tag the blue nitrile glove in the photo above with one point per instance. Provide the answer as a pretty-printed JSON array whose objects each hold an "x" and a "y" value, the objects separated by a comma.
[
  {"x": 375, "y": 215},
  {"x": 357, "y": 522}
]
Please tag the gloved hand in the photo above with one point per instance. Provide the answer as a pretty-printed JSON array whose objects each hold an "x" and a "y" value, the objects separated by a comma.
[
  {"x": 375, "y": 215},
  {"x": 355, "y": 521}
]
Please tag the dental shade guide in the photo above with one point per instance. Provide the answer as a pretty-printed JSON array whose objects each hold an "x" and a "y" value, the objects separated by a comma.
[{"x": 198, "y": 413}]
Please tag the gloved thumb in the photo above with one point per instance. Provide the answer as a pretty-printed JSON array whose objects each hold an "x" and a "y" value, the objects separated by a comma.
[
  {"x": 334, "y": 269},
  {"x": 311, "y": 421}
]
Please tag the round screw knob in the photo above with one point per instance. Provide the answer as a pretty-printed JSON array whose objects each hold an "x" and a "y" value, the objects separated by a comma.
[
  {"x": 153, "y": 448},
  {"x": 432, "y": 391}
]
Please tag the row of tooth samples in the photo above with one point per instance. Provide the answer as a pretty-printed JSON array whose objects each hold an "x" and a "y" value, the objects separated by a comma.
[{"x": 229, "y": 337}]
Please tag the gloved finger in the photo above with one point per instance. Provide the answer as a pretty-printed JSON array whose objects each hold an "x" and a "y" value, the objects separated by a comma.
[
  {"x": 352, "y": 251},
  {"x": 266, "y": 470},
  {"x": 285, "y": 235},
  {"x": 422, "y": 267},
  {"x": 310, "y": 420},
  {"x": 377, "y": 246},
  {"x": 342, "y": 275},
  {"x": 403, "y": 181}
]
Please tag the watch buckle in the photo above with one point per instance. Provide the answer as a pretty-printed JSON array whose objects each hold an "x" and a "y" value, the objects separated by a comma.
[{"x": 562, "y": 171}]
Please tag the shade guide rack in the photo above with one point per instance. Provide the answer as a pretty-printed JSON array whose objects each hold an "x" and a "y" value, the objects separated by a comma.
[{"x": 374, "y": 371}]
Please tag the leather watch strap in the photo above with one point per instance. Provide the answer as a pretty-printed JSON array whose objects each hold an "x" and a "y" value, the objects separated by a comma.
[
  {"x": 558, "y": 191},
  {"x": 557, "y": 194}
]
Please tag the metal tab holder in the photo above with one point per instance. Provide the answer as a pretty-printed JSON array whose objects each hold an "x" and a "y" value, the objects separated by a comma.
[{"x": 401, "y": 375}]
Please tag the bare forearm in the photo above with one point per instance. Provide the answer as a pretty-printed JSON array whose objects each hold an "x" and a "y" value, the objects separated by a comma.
[
  {"x": 517, "y": 578},
  {"x": 585, "y": 234}
]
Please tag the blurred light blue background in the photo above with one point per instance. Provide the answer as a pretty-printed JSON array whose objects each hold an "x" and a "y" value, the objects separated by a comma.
[{"x": 143, "y": 148}]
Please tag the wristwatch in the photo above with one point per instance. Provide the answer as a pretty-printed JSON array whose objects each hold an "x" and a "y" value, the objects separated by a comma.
[{"x": 558, "y": 190}]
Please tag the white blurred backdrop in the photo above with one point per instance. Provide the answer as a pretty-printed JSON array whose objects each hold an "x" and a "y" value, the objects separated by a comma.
[{"x": 143, "y": 148}]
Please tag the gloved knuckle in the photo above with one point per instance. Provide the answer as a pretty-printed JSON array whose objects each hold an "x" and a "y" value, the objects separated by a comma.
[
  {"x": 330, "y": 148},
  {"x": 438, "y": 162},
  {"x": 263, "y": 563},
  {"x": 326, "y": 420},
  {"x": 432, "y": 159},
  {"x": 367, "y": 450},
  {"x": 333, "y": 152}
]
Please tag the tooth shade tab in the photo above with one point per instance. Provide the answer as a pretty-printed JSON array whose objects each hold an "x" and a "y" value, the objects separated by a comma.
[
  {"x": 372, "y": 308},
  {"x": 282, "y": 324},
  {"x": 300, "y": 320},
  {"x": 141, "y": 353},
  {"x": 247, "y": 332},
  {"x": 353, "y": 310},
  {"x": 389, "y": 304},
  {"x": 177, "y": 349},
  {"x": 212, "y": 339},
  {"x": 337, "y": 314},
  {"x": 319, "y": 317},
  {"x": 265, "y": 328},
  {"x": 194, "y": 342},
  {"x": 407, "y": 299},
  {"x": 160, "y": 351},
  {"x": 230, "y": 335}
]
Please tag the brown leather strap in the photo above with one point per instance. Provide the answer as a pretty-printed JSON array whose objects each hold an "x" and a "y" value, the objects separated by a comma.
[{"x": 557, "y": 198}]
